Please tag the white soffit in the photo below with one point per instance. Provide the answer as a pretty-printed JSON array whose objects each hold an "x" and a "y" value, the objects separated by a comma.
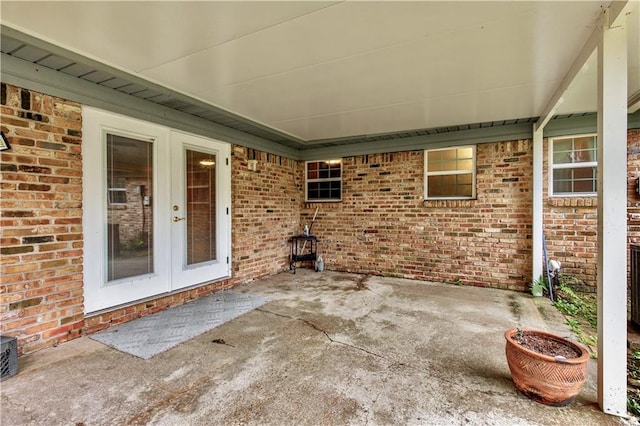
[
  {"x": 583, "y": 94},
  {"x": 319, "y": 70}
]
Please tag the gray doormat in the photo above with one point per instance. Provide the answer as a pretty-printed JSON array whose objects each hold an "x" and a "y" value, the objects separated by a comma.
[{"x": 148, "y": 336}]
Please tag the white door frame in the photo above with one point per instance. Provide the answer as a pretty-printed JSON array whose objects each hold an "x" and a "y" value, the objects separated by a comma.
[
  {"x": 101, "y": 294},
  {"x": 184, "y": 275}
]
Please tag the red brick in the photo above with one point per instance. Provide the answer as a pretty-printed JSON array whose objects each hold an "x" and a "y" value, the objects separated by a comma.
[{"x": 483, "y": 242}]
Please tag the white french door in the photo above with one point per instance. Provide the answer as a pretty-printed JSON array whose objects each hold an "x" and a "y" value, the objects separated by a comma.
[
  {"x": 200, "y": 234},
  {"x": 156, "y": 210}
]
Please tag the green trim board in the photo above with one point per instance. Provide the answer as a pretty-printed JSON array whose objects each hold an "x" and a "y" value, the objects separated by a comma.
[
  {"x": 101, "y": 86},
  {"x": 585, "y": 124},
  {"x": 45, "y": 80},
  {"x": 54, "y": 57},
  {"x": 442, "y": 140}
]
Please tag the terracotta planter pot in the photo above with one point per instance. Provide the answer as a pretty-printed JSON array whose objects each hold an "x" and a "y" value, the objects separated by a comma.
[{"x": 545, "y": 379}]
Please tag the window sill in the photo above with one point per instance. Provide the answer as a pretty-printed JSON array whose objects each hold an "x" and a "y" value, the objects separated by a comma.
[
  {"x": 573, "y": 201},
  {"x": 459, "y": 202}
]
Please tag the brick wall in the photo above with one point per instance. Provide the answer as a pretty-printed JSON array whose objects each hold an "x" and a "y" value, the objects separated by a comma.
[
  {"x": 266, "y": 212},
  {"x": 383, "y": 225},
  {"x": 571, "y": 223},
  {"x": 633, "y": 199},
  {"x": 570, "y": 226},
  {"x": 41, "y": 209}
]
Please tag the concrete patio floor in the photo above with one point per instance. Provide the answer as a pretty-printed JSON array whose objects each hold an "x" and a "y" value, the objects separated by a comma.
[{"x": 329, "y": 349}]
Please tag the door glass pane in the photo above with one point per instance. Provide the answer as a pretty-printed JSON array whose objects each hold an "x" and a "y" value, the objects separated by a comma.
[
  {"x": 201, "y": 207},
  {"x": 129, "y": 209}
]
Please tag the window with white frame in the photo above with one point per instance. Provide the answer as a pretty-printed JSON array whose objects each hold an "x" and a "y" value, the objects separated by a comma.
[
  {"x": 117, "y": 196},
  {"x": 323, "y": 180},
  {"x": 450, "y": 173},
  {"x": 117, "y": 191},
  {"x": 574, "y": 165}
]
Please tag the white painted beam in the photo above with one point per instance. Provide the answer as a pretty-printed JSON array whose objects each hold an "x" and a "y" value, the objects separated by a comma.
[
  {"x": 612, "y": 221},
  {"x": 618, "y": 11},
  {"x": 558, "y": 96},
  {"x": 537, "y": 227}
]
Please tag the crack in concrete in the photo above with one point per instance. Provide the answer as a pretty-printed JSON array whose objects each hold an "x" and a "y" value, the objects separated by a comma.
[
  {"x": 392, "y": 362},
  {"x": 361, "y": 285},
  {"x": 331, "y": 339},
  {"x": 370, "y": 411}
]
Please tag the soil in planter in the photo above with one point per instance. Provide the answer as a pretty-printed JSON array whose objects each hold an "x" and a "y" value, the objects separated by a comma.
[{"x": 546, "y": 346}]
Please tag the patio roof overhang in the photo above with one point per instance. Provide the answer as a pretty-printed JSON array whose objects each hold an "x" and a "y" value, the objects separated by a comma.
[
  {"x": 39, "y": 65},
  {"x": 378, "y": 76},
  {"x": 269, "y": 90}
]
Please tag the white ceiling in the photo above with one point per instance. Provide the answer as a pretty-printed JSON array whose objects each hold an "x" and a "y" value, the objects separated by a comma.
[{"x": 319, "y": 70}]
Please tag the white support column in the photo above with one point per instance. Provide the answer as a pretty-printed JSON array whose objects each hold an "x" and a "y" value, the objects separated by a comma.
[
  {"x": 612, "y": 223},
  {"x": 537, "y": 212}
]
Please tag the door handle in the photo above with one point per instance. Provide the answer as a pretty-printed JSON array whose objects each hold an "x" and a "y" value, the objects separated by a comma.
[{"x": 178, "y": 219}]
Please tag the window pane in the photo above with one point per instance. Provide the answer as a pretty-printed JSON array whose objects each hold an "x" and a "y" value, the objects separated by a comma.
[
  {"x": 563, "y": 145},
  {"x": 583, "y": 173},
  {"x": 201, "y": 207},
  {"x": 583, "y": 156},
  {"x": 117, "y": 196},
  {"x": 129, "y": 223},
  {"x": 560, "y": 187},
  {"x": 434, "y": 156},
  {"x": 448, "y": 180},
  {"x": 443, "y": 179},
  {"x": 465, "y": 191},
  {"x": 585, "y": 180},
  {"x": 465, "y": 179},
  {"x": 450, "y": 185},
  {"x": 578, "y": 180},
  {"x": 578, "y": 150},
  {"x": 434, "y": 166},
  {"x": 562, "y": 151},
  {"x": 449, "y": 165},
  {"x": 313, "y": 191},
  {"x": 562, "y": 174},
  {"x": 450, "y": 160},
  {"x": 324, "y": 183},
  {"x": 434, "y": 186},
  {"x": 448, "y": 154},
  {"x": 465, "y": 153},
  {"x": 465, "y": 164},
  {"x": 588, "y": 142},
  {"x": 562, "y": 157},
  {"x": 575, "y": 180}
]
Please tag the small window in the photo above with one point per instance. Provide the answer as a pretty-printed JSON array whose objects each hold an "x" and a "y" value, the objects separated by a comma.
[
  {"x": 323, "y": 180},
  {"x": 450, "y": 173},
  {"x": 574, "y": 165},
  {"x": 117, "y": 190},
  {"x": 117, "y": 196}
]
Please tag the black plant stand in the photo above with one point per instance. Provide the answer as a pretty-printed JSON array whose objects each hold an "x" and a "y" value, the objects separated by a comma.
[{"x": 304, "y": 248}]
